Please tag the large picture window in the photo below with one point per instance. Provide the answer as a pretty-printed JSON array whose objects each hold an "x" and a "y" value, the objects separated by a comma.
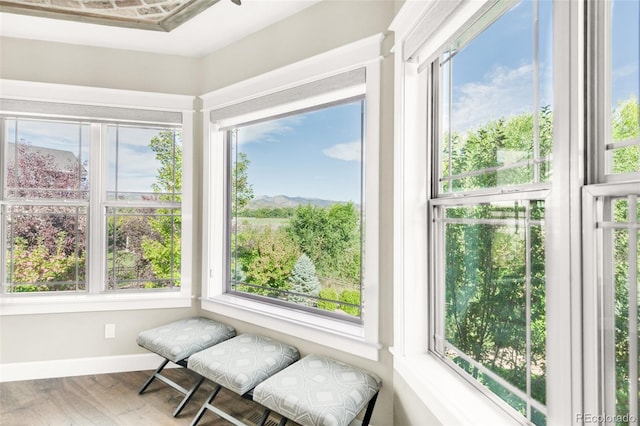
[
  {"x": 89, "y": 205},
  {"x": 291, "y": 199},
  {"x": 296, "y": 208},
  {"x": 491, "y": 174}
]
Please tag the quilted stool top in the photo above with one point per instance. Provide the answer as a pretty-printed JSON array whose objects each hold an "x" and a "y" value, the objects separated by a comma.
[
  {"x": 239, "y": 364},
  {"x": 181, "y": 339},
  {"x": 318, "y": 391}
]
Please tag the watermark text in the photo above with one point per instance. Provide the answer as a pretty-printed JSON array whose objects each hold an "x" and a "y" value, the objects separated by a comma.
[{"x": 605, "y": 418}]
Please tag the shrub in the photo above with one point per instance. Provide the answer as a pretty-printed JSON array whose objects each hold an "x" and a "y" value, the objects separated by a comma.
[
  {"x": 303, "y": 280},
  {"x": 352, "y": 297},
  {"x": 330, "y": 294}
]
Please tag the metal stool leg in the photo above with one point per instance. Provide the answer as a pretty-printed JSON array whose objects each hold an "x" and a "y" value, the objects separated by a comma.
[
  {"x": 153, "y": 376},
  {"x": 198, "y": 416},
  {"x": 369, "y": 412},
  {"x": 188, "y": 396}
]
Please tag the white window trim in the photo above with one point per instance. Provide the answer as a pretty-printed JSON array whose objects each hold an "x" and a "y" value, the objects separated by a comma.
[
  {"x": 361, "y": 340},
  {"x": 412, "y": 361},
  {"x": 21, "y": 304}
]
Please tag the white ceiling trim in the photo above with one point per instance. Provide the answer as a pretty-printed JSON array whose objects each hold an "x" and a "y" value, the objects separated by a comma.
[{"x": 214, "y": 28}]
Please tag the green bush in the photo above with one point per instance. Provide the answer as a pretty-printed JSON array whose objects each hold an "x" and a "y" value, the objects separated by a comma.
[
  {"x": 330, "y": 294},
  {"x": 352, "y": 297}
]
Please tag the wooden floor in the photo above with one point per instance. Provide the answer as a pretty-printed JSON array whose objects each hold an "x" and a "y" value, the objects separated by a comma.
[{"x": 112, "y": 399}]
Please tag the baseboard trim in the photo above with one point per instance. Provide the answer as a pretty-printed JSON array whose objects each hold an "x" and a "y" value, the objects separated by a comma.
[{"x": 13, "y": 372}]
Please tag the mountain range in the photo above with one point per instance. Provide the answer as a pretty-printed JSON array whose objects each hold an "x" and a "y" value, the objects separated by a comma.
[{"x": 279, "y": 201}]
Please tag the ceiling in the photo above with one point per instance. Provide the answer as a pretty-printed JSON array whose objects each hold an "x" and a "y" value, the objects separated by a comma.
[{"x": 200, "y": 27}]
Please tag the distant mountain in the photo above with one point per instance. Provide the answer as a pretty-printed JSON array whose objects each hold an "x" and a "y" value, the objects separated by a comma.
[{"x": 279, "y": 201}]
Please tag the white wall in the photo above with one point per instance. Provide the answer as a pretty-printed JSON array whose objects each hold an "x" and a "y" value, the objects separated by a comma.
[{"x": 42, "y": 61}]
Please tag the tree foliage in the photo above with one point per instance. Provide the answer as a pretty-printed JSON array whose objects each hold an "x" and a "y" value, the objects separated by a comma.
[
  {"x": 303, "y": 280},
  {"x": 330, "y": 237},
  {"x": 241, "y": 189},
  {"x": 162, "y": 247},
  {"x": 267, "y": 258},
  {"x": 486, "y": 269},
  {"x": 48, "y": 242}
]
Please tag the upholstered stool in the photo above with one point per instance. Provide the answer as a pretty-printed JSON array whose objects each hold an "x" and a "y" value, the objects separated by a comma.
[
  {"x": 239, "y": 364},
  {"x": 176, "y": 342},
  {"x": 320, "y": 391}
]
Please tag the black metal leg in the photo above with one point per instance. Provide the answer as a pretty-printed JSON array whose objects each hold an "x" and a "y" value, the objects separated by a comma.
[
  {"x": 265, "y": 416},
  {"x": 153, "y": 376},
  {"x": 198, "y": 416},
  {"x": 283, "y": 421},
  {"x": 188, "y": 396},
  {"x": 369, "y": 412}
]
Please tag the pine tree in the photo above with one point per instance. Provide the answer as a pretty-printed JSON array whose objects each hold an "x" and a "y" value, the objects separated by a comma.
[{"x": 304, "y": 280}]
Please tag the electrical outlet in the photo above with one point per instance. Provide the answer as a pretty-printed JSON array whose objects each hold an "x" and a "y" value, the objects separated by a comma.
[{"x": 109, "y": 331}]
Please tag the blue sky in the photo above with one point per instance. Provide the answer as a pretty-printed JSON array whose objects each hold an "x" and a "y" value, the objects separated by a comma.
[
  {"x": 315, "y": 154},
  {"x": 493, "y": 74}
]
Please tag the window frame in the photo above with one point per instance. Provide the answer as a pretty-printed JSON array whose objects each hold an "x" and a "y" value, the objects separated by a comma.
[
  {"x": 96, "y": 297},
  {"x": 599, "y": 359},
  {"x": 359, "y": 339},
  {"x": 420, "y": 33}
]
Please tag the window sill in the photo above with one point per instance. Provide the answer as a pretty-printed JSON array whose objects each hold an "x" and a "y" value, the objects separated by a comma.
[
  {"x": 52, "y": 304},
  {"x": 329, "y": 332},
  {"x": 449, "y": 397}
]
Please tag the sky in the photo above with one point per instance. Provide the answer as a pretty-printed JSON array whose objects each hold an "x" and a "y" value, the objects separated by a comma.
[
  {"x": 314, "y": 154},
  {"x": 493, "y": 74}
]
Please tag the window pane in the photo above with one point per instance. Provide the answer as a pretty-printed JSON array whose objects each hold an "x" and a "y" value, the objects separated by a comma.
[
  {"x": 626, "y": 259},
  {"x": 46, "y": 159},
  {"x": 143, "y": 248},
  {"x": 296, "y": 196},
  {"x": 495, "y": 297},
  {"x": 46, "y": 248},
  {"x": 144, "y": 164},
  {"x": 624, "y": 146},
  {"x": 496, "y": 101}
]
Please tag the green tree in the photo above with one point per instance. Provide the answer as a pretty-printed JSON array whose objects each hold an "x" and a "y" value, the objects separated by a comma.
[
  {"x": 330, "y": 237},
  {"x": 241, "y": 189},
  {"x": 486, "y": 270},
  {"x": 303, "y": 280},
  {"x": 266, "y": 257},
  {"x": 162, "y": 249},
  {"x": 625, "y": 122}
]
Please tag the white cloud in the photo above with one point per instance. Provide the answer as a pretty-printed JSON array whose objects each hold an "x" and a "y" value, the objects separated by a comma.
[
  {"x": 630, "y": 69},
  {"x": 501, "y": 93},
  {"x": 267, "y": 130},
  {"x": 351, "y": 151}
]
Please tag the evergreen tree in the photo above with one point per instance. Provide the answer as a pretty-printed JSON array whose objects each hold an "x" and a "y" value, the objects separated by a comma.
[{"x": 304, "y": 280}]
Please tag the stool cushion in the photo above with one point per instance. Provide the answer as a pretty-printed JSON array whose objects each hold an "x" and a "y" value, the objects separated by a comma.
[
  {"x": 181, "y": 339},
  {"x": 318, "y": 391},
  {"x": 239, "y": 364}
]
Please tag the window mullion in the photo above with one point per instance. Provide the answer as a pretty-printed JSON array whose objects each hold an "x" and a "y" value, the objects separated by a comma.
[
  {"x": 632, "y": 214},
  {"x": 528, "y": 305},
  {"x": 97, "y": 175}
]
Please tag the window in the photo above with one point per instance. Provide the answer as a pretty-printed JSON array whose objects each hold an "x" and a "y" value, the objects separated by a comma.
[
  {"x": 143, "y": 207},
  {"x": 296, "y": 209},
  {"x": 91, "y": 199},
  {"x": 295, "y": 154},
  {"x": 489, "y": 248},
  {"x": 46, "y": 208},
  {"x": 611, "y": 219},
  {"x": 531, "y": 234}
]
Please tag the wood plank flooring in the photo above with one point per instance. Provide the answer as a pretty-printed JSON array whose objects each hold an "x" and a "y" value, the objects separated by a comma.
[{"x": 112, "y": 399}]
